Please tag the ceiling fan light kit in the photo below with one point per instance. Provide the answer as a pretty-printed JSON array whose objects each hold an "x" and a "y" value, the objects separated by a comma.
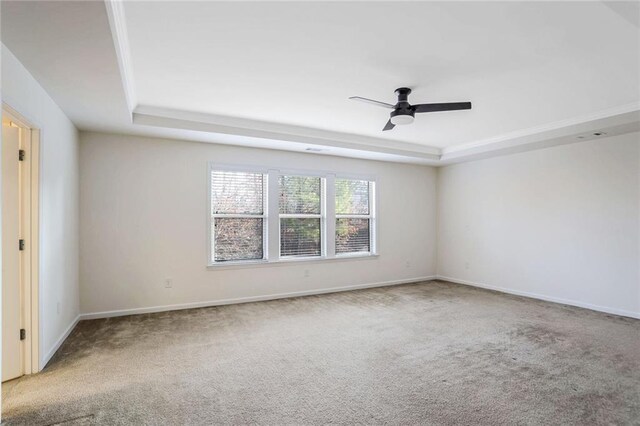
[
  {"x": 404, "y": 113},
  {"x": 398, "y": 118}
]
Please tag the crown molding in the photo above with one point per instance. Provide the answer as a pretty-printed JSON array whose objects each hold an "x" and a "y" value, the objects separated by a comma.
[
  {"x": 513, "y": 136},
  {"x": 614, "y": 121},
  {"x": 202, "y": 122},
  {"x": 118, "y": 26}
]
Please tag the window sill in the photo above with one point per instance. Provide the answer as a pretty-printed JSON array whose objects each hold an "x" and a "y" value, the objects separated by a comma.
[{"x": 290, "y": 262}]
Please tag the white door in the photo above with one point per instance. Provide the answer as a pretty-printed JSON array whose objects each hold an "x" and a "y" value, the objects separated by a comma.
[{"x": 11, "y": 300}]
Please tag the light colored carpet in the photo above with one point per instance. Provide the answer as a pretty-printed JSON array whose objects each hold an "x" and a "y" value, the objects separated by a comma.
[{"x": 427, "y": 353}]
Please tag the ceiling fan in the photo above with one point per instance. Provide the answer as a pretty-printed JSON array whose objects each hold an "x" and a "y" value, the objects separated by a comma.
[{"x": 403, "y": 112}]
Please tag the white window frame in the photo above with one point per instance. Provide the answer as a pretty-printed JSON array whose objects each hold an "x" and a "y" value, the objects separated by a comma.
[
  {"x": 212, "y": 217},
  {"x": 271, "y": 217},
  {"x": 371, "y": 216},
  {"x": 322, "y": 216}
]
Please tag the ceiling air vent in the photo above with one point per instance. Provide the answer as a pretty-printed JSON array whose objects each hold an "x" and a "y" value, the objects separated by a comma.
[{"x": 592, "y": 135}]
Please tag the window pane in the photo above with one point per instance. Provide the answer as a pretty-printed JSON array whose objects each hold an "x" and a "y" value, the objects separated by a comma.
[
  {"x": 352, "y": 196},
  {"x": 237, "y": 239},
  {"x": 352, "y": 235},
  {"x": 237, "y": 192},
  {"x": 300, "y": 237},
  {"x": 299, "y": 195}
]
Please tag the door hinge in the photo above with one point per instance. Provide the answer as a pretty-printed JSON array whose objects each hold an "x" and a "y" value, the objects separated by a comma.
[
  {"x": 21, "y": 155},
  {"x": 21, "y": 245},
  {"x": 23, "y": 334}
]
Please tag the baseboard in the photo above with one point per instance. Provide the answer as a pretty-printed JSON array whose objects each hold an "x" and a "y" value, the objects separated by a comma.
[
  {"x": 598, "y": 308},
  {"x": 163, "y": 308},
  {"x": 47, "y": 357}
]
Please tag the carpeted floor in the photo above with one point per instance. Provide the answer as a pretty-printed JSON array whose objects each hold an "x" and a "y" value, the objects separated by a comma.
[{"x": 427, "y": 353}]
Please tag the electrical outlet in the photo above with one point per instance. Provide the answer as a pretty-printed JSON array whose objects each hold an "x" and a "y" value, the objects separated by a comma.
[
  {"x": 407, "y": 264},
  {"x": 168, "y": 283},
  {"x": 466, "y": 265},
  {"x": 306, "y": 273}
]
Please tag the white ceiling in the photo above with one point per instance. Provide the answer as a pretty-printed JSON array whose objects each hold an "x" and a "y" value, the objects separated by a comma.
[{"x": 278, "y": 74}]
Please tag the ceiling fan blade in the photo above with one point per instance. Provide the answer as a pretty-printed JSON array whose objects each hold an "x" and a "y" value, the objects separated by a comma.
[
  {"x": 389, "y": 125},
  {"x": 372, "y": 102},
  {"x": 450, "y": 106}
]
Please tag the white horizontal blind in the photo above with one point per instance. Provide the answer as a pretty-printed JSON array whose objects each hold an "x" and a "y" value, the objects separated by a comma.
[
  {"x": 300, "y": 207},
  {"x": 353, "y": 216},
  {"x": 237, "y": 216}
]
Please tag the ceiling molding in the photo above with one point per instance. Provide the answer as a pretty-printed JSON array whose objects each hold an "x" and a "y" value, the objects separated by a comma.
[
  {"x": 611, "y": 112},
  {"x": 614, "y": 121},
  {"x": 572, "y": 132},
  {"x": 117, "y": 23},
  {"x": 188, "y": 120},
  {"x": 584, "y": 133},
  {"x": 617, "y": 116}
]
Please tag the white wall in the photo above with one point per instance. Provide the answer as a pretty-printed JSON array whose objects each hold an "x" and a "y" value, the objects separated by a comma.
[
  {"x": 560, "y": 223},
  {"x": 143, "y": 209},
  {"x": 59, "y": 220}
]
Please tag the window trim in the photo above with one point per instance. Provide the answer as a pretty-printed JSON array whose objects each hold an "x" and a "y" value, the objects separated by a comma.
[
  {"x": 371, "y": 217},
  {"x": 271, "y": 217},
  {"x": 211, "y": 216},
  {"x": 321, "y": 216}
]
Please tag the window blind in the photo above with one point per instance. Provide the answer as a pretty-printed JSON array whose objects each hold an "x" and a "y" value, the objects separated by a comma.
[
  {"x": 300, "y": 206},
  {"x": 353, "y": 216},
  {"x": 237, "y": 212},
  {"x": 352, "y": 196},
  {"x": 300, "y": 194},
  {"x": 352, "y": 235},
  {"x": 237, "y": 192},
  {"x": 300, "y": 237},
  {"x": 238, "y": 239}
]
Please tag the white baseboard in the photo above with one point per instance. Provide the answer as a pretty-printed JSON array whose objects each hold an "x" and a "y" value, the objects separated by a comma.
[
  {"x": 605, "y": 309},
  {"x": 163, "y": 308},
  {"x": 47, "y": 357}
]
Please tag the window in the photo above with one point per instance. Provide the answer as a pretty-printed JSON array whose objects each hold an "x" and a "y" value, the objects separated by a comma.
[
  {"x": 268, "y": 216},
  {"x": 300, "y": 207},
  {"x": 353, "y": 216},
  {"x": 238, "y": 216}
]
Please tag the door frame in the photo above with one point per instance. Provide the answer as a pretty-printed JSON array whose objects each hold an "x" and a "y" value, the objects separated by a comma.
[{"x": 30, "y": 187}]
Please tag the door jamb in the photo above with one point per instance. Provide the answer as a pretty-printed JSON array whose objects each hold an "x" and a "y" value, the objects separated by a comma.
[{"x": 30, "y": 181}]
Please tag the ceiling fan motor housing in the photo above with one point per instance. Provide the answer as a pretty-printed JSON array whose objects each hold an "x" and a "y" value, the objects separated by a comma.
[
  {"x": 403, "y": 94},
  {"x": 402, "y": 113}
]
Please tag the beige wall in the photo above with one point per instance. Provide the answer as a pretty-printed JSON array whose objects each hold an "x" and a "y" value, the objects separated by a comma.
[
  {"x": 59, "y": 288},
  {"x": 143, "y": 215},
  {"x": 559, "y": 223}
]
